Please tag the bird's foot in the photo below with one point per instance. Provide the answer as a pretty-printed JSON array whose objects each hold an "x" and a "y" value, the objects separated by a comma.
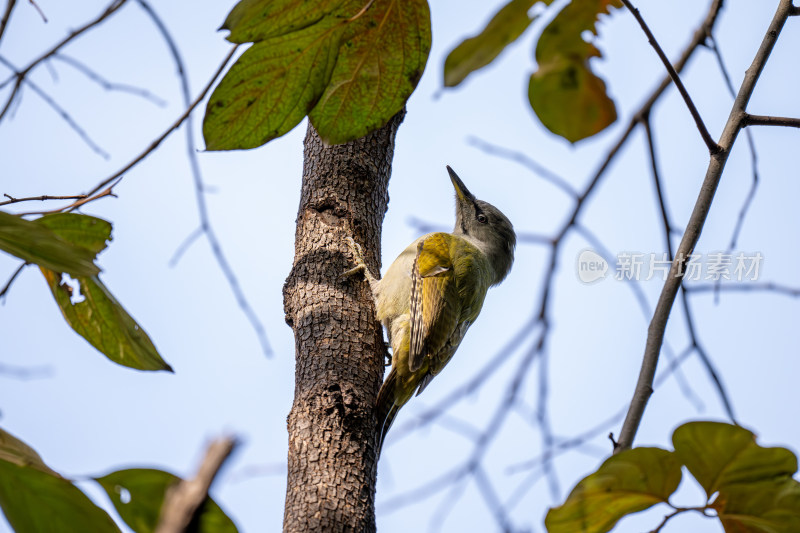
[{"x": 358, "y": 257}]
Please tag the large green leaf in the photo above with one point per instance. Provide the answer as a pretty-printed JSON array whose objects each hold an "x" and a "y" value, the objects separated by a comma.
[
  {"x": 349, "y": 65},
  {"x": 476, "y": 52},
  {"x": 138, "y": 494},
  {"x": 565, "y": 94},
  {"x": 39, "y": 244},
  {"x": 102, "y": 321},
  {"x": 272, "y": 86},
  {"x": 34, "y": 498},
  {"x": 381, "y": 60},
  {"x": 626, "y": 483},
  {"x": 754, "y": 488},
  {"x": 252, "y": 21}
]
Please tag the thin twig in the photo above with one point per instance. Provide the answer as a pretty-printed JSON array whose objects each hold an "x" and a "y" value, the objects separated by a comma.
[
  {"x": 106, "y": 84},
  {"x": 751, "y": 144},
  {"x": 202, "y": 207},
  {"x": 6, "y": 16},
  {"x": 113, "y": 179},
  {"x": 12, "y": 200},
  {"x": 713, "y": 147},
  {"x": 655, "y": 334},
  {"x": 7, "y": 286},
  {"x": 38, "y": 10},
  {"x": 762, "y": 120},
  {"x": 25, "y": 373},
  {"x": 20, "y": 76},
  {"x": 65, "y": 116},
  {"x": 524, "y": 160},
  {"x": 84, "y": 199},
  {"x": 769, "y": 286},
  {"x": 184, "y": 500}
]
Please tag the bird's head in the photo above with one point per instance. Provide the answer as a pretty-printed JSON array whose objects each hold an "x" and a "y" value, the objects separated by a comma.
[{"x": 485, "y": 225}]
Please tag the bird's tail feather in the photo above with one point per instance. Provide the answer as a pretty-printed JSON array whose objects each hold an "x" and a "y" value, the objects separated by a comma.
[{"x": 386, "y": 408}]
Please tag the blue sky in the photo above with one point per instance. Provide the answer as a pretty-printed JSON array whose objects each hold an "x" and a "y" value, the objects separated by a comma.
[{"x": 87, "y": 416}]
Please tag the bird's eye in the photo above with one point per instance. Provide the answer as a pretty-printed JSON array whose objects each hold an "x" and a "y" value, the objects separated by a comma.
[{"x": 482, "y": 218}]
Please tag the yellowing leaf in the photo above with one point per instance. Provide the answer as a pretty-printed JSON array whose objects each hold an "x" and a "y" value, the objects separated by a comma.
[
  {"x": 626, "y": 483},
  {"x": 755, "y": 492},
  {"x": 145, "y": 489},
  {"x": 565, "y": 94},
  {"x": 380, "y": 62},
  {"x": 476, "y": 52},
  {"x": 15, "y": 451},
  {"x": 36, "y": 243},
  {"x": 252, "y": 21},
  {"x": 102, "y": 321},
  {"x": 271, "y": 87},
  {"x": 350, "y": 65}
]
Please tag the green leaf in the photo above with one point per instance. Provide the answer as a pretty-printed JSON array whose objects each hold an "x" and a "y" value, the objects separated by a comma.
[
  {"x": 36, "y": 243},
  {"x": 476, "y": 52},
  {"x": 252, "y": 21},
  {"x": 271, "y": 87},
  {"x": 565, "y": 94},
  {"x": 102, "y": 321},
  {"x": 13, "y": 450},
  {"x": 381, "y": 60},
  {"x": 138, "y": 494},
  {"x": 88, "y": 232},
  {"x": 35, "y": 498},
  {"x": 350, "y": 65},
  {"x": 754, "y": 488},
  {"x": 626, "y": 483}
]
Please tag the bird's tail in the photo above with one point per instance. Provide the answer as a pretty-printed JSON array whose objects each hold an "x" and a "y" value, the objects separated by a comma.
[{"x": 386, "y": 408}]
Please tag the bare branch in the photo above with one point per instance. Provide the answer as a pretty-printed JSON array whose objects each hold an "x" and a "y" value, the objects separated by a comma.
[
  {"x": 655, "y": 334},
  {"x": 761, "y": 120},
  {"x": 524, "y": 160},
  {"x": 10, "y": 281},
  {"x": 20, "y": 76},
  {"x": 6, "y": 16},
  {"x": 200, "y": 189},
  {"x": 777, "y": 288},
  {"x": 104, "y": 187},
  {"x": 108, "y": 85},
  {"x": 183, "y": 501},
  {"x": 65, "y": 116},
  {"x": 25, "y": 373},
  {"x": 713, "y": 147},
  {"x": 12, "y": 200}
]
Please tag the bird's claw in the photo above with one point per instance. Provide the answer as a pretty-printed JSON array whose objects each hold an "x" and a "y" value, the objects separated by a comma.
[{"x": 358, "y": 257}]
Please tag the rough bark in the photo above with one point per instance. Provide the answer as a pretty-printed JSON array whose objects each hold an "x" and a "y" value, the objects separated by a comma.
[{"x": 339, "y": 347}]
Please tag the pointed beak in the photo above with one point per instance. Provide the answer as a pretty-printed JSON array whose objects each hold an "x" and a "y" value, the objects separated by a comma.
[{"x": 461, "y": 190}]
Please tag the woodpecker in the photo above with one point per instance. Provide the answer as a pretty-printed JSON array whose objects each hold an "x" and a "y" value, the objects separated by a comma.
[{"x": 433, "y": 292}]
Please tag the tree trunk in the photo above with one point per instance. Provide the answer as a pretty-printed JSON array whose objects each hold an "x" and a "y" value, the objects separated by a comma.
[{"x": 338, "y": 342}]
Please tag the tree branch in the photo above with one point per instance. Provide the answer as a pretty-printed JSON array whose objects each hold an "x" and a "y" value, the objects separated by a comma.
[
  {"x": 183, "y": 501},
  {"x": 655, "y": 334},
  {"x": 20, "y": 76},
  {"x": 12, "y": 200},
  {"x": 10, "y": 281},
  {"x": 713, "y": 147},
  {"x": 6, "y": 15},
  {"x": 761, "y": 120}
]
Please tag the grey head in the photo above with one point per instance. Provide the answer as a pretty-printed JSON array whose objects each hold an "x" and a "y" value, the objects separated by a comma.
[{"x": 485, "y": 225}]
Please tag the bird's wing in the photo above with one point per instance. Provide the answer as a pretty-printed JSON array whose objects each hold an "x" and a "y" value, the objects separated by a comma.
[{"x": 435, "y": 302}]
